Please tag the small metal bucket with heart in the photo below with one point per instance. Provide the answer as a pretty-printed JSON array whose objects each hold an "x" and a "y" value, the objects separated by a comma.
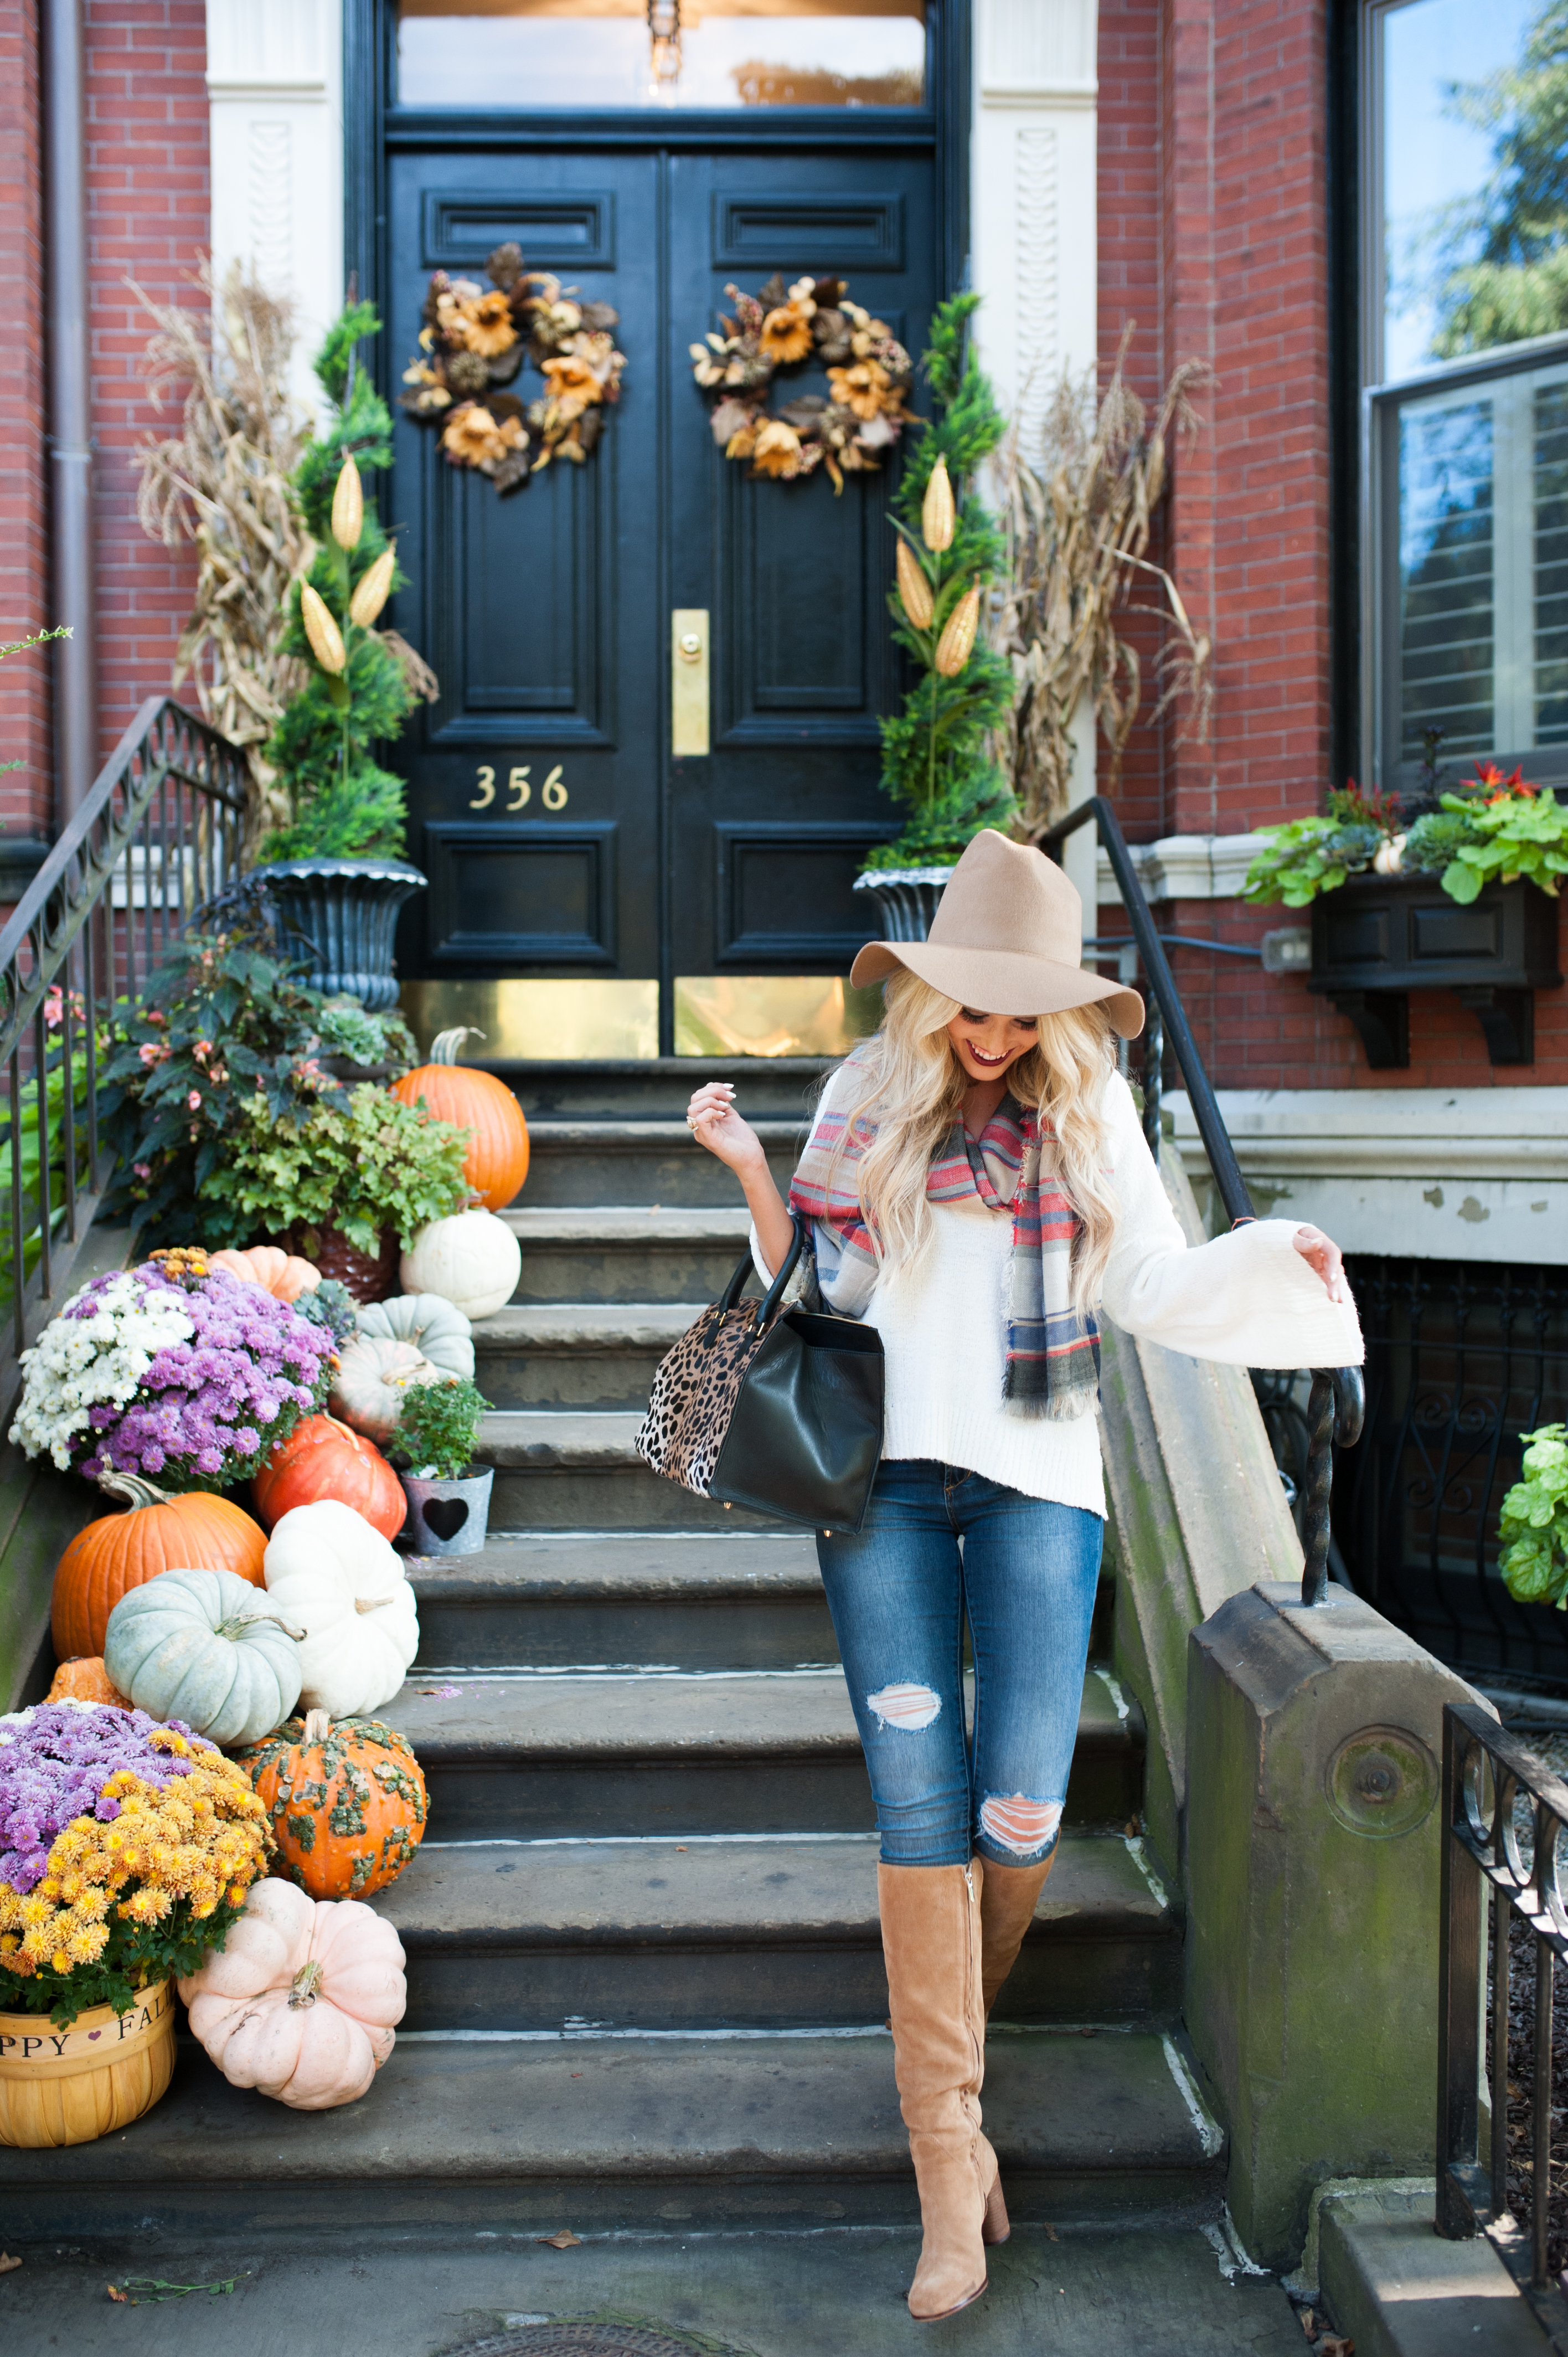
[{"x": 448, "y": 1517}]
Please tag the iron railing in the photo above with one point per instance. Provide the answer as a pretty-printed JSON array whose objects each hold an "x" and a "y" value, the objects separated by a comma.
[
  {"x": 1334, "y": 1409},
  {"x": 1491, "y": 1784},
  {"x": 1461, "y": 1359},
  {"x": 157, "y": 837}
]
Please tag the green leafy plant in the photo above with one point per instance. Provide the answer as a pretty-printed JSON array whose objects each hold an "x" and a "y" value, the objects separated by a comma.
[
  {"x": 359, "y": 683},
  {"x": 1533, "y": 1528},
  {"x": 222, "y": 1025},
  {"x": 1494, "y": 828},
  {"x": 345, "y": 1028},
  {"x": 937, "y": 754},
  {"x": 358, "y": 1161},
  {"x": 332, "y": 1306},
  {"x": 438, "y": 1429},
  {"x": 1308, "y": 855}
]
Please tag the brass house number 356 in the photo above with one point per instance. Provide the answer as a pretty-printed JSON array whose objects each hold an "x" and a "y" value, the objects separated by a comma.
[{"x": 519, "y": 790}]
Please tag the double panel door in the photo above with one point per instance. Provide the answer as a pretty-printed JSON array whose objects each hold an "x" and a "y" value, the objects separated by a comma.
[{"x": 560, "y": 835}]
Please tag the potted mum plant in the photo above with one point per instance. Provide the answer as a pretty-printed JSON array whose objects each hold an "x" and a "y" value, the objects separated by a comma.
[
  {"x": 126, "y": 1850},
  {"x": 348, "y": 1181},
  {"x": 174, "y": 1371},
  {"x": 937, "y": 758},
  {"x": 448, "y": 1494},
  {"x": 334, "y": 876}
]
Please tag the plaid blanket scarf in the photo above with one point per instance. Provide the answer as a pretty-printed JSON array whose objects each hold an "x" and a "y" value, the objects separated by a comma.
[{"x": 1053, "y": 1350}]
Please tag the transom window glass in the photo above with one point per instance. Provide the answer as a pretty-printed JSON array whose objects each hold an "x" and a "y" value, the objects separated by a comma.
[
  {"x": 673, "y": 53},
  {"x": 1464, "y": 340}
]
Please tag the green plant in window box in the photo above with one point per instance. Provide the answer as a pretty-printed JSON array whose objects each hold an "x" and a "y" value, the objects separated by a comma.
[
  {"x": 1534, "y": 1525},
  {"x": 438, "y": 1429},
  {"x": 1489, "y": 829},
  {"x": 360, "y": 1161}
]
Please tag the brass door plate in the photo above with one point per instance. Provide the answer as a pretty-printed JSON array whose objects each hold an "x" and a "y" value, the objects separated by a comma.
[{"x": 688, "y": 681}]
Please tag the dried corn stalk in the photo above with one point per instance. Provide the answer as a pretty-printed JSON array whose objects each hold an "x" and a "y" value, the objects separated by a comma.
[
  {"x": 1076, "y": 523},
  {"x": 223, "y": 482}
]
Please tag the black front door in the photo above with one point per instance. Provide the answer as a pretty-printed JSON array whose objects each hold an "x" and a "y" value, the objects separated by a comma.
[{"x": 562, "y": 836}]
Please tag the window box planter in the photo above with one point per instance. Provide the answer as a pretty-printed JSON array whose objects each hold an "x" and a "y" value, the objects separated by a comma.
[{"x": 1380, "y": 937}]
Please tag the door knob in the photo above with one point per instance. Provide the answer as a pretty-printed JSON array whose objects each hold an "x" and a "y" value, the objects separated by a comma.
[{"x": 689, "y": 680}]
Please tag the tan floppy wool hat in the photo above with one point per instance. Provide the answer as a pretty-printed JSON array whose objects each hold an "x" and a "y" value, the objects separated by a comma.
[{"x": 1006, "y": 940}]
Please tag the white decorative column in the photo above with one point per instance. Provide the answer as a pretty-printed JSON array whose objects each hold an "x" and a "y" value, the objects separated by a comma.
[
  {"x": 275, "y": 71},
  {"x": 1033, "y": 209}
]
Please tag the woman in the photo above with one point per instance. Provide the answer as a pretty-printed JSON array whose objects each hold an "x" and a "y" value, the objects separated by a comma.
[{"x": 977, "y": 1182}]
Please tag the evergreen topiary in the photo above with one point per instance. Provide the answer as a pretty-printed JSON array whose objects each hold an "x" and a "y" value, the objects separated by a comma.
[
  {"x": 937, "y": 757},
  {"x": 360, "y": 683}
]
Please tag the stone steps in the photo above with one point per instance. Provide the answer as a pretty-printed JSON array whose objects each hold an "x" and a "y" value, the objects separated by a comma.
[
  {"x": 584, "y": 1254},
  {"x": 777, "y": 1088},
  {"x": 528, "y": 1754},
  {"x": 576, "y": 1470},
  {"x": 577, "y": 1354},
  {"x": 749, "y": 1932},
  {"x": 608, "y": 1159},
  {"x": 526, "y": 2135}
]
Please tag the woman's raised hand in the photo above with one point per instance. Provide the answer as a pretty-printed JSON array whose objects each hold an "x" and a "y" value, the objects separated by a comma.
[
  {"x": 713, "y": 1120},
  {"x": 1323, "y": 1255}
]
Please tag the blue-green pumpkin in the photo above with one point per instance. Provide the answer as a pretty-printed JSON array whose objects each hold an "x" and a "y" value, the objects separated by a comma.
[{"x": 204, "y": 1647}]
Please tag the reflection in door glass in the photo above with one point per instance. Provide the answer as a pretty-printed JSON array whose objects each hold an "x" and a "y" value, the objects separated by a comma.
[{"x": 678, "y": 53}]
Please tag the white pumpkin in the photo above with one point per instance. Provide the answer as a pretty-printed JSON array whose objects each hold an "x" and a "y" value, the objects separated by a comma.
[
  {"x": 207, "y": 1647},
  {"x": 303, "y": 1999},
  {"x": 372, "y": 1378},
  {"x": 330, "y": 1574},
  {"x": 472, "y": 1259},
  {"x": 435, "y": 1327}
]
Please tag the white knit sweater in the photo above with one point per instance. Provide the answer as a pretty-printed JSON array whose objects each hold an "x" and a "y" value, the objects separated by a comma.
[{"x": 1247, "y": 1299}]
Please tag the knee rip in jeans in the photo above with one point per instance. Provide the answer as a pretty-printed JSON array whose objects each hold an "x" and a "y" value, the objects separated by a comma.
[
  {"x": 909, "y": 1707},
  {"x": 1018, "y": 1824}
]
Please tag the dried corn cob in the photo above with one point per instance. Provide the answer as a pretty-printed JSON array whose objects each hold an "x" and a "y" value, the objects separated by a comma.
[
  {"x": 347, "y": 506},
  {"x": 326, "y": 638},
  {"x": 957, "y": 640},
  {"x": 914, "y": 590},
  {"x": 937, "y": 516},
  {"x": 373, "y": 590}
]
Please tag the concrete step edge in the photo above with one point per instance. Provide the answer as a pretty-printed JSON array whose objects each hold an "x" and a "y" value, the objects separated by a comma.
[
  {"x": 579, "y": 1438},
  {"x": 555, "y": 1329},
  {"x": 603, "y": 1225}
]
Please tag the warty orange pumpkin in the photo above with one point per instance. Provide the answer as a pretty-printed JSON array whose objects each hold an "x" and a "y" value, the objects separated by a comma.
[
  {"x": 118, "y": 1552},
  {"x": 322, "y": 1458},
  {"x": 346, "y": 1801},
  {"x": 497, "y": 1161}
]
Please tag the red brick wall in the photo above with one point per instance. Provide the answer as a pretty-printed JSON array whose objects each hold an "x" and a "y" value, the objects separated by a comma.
[
  {"x": 1213, "y": 236},
  {"x": 24, "y": 679},
  {"x": 147, "y": 207}
]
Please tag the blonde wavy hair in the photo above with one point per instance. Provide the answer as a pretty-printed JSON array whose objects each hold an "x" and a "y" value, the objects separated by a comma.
[{"x": 908, "y": 1082}]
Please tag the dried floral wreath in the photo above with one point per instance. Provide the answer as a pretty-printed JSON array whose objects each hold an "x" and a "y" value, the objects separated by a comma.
[
  {"x": 868, "y": 371},
  {"x": 474, "y": 340}
]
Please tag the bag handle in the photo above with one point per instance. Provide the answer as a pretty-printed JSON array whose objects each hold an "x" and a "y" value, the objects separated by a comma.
[{"x": 730, "y": 1296}]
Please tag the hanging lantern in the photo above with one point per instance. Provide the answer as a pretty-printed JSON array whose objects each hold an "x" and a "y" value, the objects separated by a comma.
[{"x": 664, "y": 59}]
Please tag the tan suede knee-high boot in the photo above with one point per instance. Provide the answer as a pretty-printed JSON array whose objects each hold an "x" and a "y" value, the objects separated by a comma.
[
  {"x": 930, "y": 1939},
  {"x": 1006, "y": 1911}
]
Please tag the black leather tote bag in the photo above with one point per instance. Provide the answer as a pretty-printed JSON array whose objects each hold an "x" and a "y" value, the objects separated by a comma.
[{"x": 780, "y": 1410}]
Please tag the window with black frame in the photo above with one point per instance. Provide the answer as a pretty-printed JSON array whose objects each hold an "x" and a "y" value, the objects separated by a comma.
[{"x": 1464, "y": 364}]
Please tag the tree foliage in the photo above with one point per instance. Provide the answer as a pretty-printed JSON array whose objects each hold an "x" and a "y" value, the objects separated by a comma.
[{"x": 1503, "y": 268}]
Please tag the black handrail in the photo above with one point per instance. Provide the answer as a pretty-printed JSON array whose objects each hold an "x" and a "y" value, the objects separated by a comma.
[
  {"x": 1338, "y": 1397},
  {"x": 158, "y": 836},
  {"x": 1482, "y": 1851}
]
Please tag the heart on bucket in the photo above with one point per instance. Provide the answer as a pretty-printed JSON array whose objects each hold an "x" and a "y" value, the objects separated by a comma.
[
  {"x": 94, "y": 2033},
  {"x": 446, "y": 1516}
]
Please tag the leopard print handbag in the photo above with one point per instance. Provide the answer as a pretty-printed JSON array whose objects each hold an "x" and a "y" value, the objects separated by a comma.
[{"x": 699, "y": 1381}]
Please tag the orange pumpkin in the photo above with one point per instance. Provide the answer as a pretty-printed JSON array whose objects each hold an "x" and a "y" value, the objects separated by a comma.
[
  {"x": 322, "y": 1458},
  {"x": 113, "y": 1555},
  {"x": 497, "y": 1161},
  {"x": 346, "y": 1801},
  {"x": 86, "y": 1680},
  {"x": 282, "y": 1274}
]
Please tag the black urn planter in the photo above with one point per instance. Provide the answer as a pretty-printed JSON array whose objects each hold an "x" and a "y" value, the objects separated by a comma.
[
  {"x": 1380, "y": 937},
  {"x": 342, "y": 915},
  {"x": 904, "y": 898}
]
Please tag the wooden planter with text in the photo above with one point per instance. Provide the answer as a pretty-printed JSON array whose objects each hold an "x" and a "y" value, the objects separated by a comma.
[{"x": 1380, "y": 937}]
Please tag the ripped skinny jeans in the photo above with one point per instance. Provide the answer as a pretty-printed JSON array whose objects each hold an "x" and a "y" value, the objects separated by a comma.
[{"x": 1025, "y": 1576}]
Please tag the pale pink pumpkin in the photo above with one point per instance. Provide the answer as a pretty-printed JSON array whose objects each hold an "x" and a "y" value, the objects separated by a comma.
[{"x": 303, "y": 1999}]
